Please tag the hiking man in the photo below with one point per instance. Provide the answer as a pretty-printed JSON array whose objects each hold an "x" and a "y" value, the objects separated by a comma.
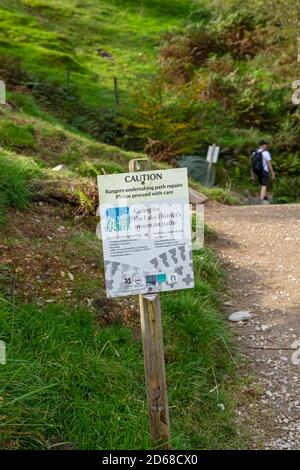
[{"x": 262, "y": 167}]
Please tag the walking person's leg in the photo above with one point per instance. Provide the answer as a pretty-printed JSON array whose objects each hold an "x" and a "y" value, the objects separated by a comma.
[
  {"x": 263, "y": 192},
  {"x": 264, "y": 185}
]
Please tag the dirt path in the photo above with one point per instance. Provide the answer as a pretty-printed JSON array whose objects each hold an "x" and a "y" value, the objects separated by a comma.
[{"x": 260, "y": 247}]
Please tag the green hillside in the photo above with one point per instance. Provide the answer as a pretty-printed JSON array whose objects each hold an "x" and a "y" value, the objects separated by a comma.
[
  {"x": 188, "y": 73},
  {"x": 50, "y": 38}
]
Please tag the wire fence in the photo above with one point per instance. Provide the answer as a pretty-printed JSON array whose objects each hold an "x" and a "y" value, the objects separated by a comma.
[{"x": 198, "y": 169}]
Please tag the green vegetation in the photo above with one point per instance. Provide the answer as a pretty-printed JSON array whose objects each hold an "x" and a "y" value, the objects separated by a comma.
[
  {"x": 17, "y": 136},
  {"x": 225, "y": 77},
  {"x": 42, "y": 46},
  {"x": 189, "y": 73},
  {"x": 51, "y": 143},
  {"x": 15, "y": 174},
  {"x": 70, "y": 380},
  {"x": 287, "y": 189}
]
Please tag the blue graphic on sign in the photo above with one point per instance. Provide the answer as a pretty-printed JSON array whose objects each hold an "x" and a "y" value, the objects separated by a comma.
[{"x": 117, "y": 219}]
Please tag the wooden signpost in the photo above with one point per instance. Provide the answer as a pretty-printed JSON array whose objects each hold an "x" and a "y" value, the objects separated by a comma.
[
  {"x": 146, "y": 238},
  {"x": 153, "y": 347}
]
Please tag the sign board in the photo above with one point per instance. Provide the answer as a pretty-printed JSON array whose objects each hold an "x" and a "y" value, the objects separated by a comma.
[
  {"x": 146, "y": 232},
  {"x": 213, "y": 154},
  {"x": 2, "y": 92}
]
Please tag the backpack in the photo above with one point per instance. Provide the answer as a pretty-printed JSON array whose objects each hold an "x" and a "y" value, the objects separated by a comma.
[{"x": 257, "y": 161}]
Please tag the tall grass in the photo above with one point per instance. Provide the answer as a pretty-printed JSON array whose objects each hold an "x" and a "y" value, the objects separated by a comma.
[
  {"x": 15, "y": 174},
  {"x": 67, "y": 381}
]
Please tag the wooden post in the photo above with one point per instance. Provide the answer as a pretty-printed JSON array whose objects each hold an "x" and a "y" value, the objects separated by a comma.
[{"x": 153, "y": 347}]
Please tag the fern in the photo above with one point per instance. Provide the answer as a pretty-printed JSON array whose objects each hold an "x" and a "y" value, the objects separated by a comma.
[{"x": 85, "y": 203}]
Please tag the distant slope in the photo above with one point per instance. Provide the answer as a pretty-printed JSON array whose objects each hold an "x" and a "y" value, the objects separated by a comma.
[
  {"x": 51, "y": 143},
  {"x": 86, "y": 43}
]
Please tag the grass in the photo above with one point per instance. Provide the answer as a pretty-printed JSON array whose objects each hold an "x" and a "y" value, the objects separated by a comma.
[
  {"x": 67, "y": 379},
  {"x": 222, "y": 195},
  {"x": 52, "y": 143},
  {"x": 47, "y": 38},
  {"x": 17, "y": 136},
  {"x": 15, "y": 174},
  {"x": 58, "y": 384}
]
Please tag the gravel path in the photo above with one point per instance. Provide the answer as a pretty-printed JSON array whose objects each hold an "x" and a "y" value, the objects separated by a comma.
[{"x": 260, "y": 248}]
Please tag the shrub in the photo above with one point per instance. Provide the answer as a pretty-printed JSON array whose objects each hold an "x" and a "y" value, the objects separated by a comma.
[
  {"x": 166, "y": 125},
  {"x": 287, "y": 189},
  {"x": 289, "y": 165}
]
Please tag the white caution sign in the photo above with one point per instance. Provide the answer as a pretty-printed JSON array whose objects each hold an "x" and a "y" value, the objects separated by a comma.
[{"x": 146, "y": 232}]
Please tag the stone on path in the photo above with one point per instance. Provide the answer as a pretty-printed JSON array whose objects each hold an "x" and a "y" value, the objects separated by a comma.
[{"x": 240, "y": 316}]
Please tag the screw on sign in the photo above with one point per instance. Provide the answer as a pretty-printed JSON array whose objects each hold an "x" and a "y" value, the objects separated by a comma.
[{"x": 148, "y": 253}]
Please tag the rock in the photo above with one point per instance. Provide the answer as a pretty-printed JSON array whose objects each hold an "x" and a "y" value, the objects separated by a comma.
[
  {"x": 264, "y": 327},
  {"x": 240, "y": 316},
  {"x": 70, "y": 276},
  {"x": 60, "y": 167},
  {"x": 196, "y": 197}
]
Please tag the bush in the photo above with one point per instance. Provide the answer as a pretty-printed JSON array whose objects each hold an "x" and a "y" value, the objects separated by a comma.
[
  {"x": 164, "y": 125},
  {"x": 287, "y": 189},
  {"x": 289, "y": 165},
  {"x": 64, "y": 103}
]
